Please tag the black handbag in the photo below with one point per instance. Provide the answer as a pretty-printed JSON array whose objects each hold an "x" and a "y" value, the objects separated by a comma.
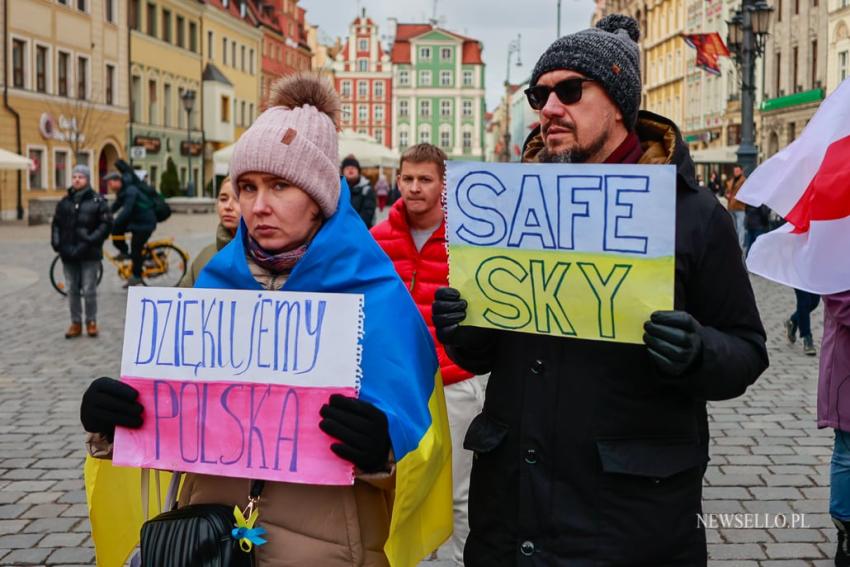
[{"x": 200, "y": 535}]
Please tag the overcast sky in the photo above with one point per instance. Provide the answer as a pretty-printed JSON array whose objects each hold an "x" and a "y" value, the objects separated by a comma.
[{"x": 494, "y": 22}]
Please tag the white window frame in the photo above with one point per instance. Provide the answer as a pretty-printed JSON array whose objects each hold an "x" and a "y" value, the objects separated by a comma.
[
  {"x": 843, "y": 64},
  {"x": 362, "y": 89},
  {"x": 87, "y": 86},
  {"x": 362, "y": 113},
  {"x": 443, "y": 51},
  {"x": 445, "y": 108},
  {"x": 424, "y": 53},
  {"x": 424, "y": 104},
  {"x": 445, "y": 78},
  {"x": 48, "y": 71},
  {"x": 468, "y": 78},
  {"x": 346, "y": 113},
  {"x": 403, "y": 137},
  {"x": 423, "y": 75},
  {"x": 379, "y": 135},
  {"x": 426, "y": 130},
  {"x": 445, "y": 130},
  {"x": 378, "y": 90},
  {"x": 403, "y": 108},
  {"x": 68, "y": 167},
  {"x": 468, "y": 108},
  {"x": 27, "y": 64},
  {"x": 44, "y": 167},
  {"x": 362, "y": 65},
  {"x": 404, "y": 77},
  {"x": 106, "y": 65},
  {"x": 379, "y": 115},
  {"x": 345, "y": 88},
  {"x": 362, "y": 44},
  {"x": 466, "y": 133},
  {"x": 87, "y": 154}
]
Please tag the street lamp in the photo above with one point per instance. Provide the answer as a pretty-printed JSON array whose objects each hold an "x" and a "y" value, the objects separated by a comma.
[
  {"x": 747, "y": 33},
  {"x": 513, "y": 47},
  {"x": 188, "y": 98}
]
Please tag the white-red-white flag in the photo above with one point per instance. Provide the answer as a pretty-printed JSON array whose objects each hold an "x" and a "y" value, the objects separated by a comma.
[{"x": 808, "y": 183}]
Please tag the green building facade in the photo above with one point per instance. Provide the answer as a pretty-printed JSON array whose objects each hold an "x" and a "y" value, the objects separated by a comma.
[{"x": 438, "y": 91}]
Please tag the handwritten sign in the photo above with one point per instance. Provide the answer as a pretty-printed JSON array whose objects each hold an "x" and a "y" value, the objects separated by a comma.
[
  {"x": 232, "y": 381},
  {"x": 580, "y": 251}
]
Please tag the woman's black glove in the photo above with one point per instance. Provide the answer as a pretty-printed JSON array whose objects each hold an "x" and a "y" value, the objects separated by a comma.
[
  {"x": 448, "y": 312},
  {"x": 674, "y": 341},
  {"x": 362, "y": 429},
  {"x": 108, "y": 403}
]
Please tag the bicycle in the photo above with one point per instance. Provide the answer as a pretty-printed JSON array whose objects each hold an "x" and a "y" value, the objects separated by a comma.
[{"x": 163, "y": 264}]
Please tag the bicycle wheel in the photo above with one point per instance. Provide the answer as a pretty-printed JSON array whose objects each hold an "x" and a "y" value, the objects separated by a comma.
[
  {"x": 57, "y": 275},
  {"x": 164, "y": 265}
]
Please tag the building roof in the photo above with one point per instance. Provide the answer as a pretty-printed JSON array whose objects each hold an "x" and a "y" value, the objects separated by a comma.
[
  {"x": 213, "y": 73},
  {"x": 400, "y": 53}
]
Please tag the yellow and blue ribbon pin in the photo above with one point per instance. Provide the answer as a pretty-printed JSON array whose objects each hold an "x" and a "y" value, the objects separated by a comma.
[{"x": 245, "y": 531}]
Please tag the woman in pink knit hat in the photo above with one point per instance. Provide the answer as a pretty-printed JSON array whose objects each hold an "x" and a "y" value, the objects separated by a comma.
[{"x": 298, "y": 227}]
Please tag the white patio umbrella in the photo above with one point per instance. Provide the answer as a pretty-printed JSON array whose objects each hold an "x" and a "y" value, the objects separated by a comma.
[{"x": 9, "y": 160}]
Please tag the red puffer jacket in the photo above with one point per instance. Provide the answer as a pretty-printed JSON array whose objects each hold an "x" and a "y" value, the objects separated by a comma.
[{"x": 423, "y": 273}]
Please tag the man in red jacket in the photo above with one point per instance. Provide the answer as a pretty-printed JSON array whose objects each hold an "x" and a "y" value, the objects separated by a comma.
[{"x": 414, "y": 237}]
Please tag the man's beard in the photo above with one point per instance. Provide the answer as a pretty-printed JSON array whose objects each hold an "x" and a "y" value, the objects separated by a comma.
[{"x": 575, "y": 155}]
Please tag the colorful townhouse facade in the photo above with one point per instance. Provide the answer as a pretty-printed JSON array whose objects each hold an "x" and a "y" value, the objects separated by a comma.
[{"x": 438, "y": 90}]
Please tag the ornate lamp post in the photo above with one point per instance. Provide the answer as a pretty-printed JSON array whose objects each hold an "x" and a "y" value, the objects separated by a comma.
[
  {"x": 188, "y": 98},
  {"x": 747, "y": 34}
]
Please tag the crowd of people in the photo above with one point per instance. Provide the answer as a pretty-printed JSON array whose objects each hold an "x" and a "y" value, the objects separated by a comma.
[{"x": 564, "y": 451}]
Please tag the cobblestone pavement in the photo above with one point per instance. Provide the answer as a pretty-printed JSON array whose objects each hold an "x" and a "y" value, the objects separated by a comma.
[{"x": 767, "y": 455}]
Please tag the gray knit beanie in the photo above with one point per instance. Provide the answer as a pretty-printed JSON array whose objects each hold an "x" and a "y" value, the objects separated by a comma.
[
  {"x": 83, "y": 170},
  {"x": 609, "y": 54}
]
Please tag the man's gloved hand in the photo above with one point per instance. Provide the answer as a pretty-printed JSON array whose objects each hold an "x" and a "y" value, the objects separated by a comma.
[
  {"x": 448, "y": 312},
  {"x": 362, "y": 430},
  {"x": 108, "y": 403},
  {"x": 674, "y": 341}
]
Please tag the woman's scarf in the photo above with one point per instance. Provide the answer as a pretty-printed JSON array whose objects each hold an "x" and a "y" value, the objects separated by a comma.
[{"x": 280, "y": 263}]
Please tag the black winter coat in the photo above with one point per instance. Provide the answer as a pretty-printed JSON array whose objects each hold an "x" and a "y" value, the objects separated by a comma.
[
  {"x": 80, "y": 225},
  {"x": 584, "y": 454},
  {"x": 136, "y": 208},
  {"x": 364, "y": 200}
]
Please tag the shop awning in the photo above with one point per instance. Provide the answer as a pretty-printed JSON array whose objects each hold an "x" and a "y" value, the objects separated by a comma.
[
  {"x": 726, "y": 154},
  {"x": 9, "y": 160}
]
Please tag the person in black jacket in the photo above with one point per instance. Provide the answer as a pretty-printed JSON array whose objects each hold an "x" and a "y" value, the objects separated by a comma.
[
  {"x": 757, "y": 223},
  {"x": 80, "y": 225},
  {"x": 135, "y": 215},
  {"x": 591, "y": 453},
  {"x": 363, "y": 197}
]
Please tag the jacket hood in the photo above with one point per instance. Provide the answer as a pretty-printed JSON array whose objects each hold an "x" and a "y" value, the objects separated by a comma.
[
  {"x": 222, "y": 237},
  {"x": 660, "y": 140}
]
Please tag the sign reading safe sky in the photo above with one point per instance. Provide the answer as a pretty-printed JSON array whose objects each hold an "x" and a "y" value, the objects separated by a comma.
[
  {"x": 582, "y": 251},
  {"x": 232, "y": 381}
]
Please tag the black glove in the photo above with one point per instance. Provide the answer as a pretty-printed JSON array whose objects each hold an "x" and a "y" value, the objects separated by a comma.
[
  {"x": 362, "y": 429},
  {"x": 674, "y": 341},
  {"x": 108, "y": 403},
  {"x": 447, "y": 312}
]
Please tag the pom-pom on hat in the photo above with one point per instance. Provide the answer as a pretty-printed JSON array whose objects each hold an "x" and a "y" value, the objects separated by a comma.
[
  {"x": 296, "y": 139},
  {"x": 609, "y": 54}
]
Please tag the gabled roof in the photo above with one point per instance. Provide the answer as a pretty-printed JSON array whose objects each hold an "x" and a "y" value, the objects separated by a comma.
[
  {"x": 213, "y": 73},
  {"x": 471, "y": 53}
]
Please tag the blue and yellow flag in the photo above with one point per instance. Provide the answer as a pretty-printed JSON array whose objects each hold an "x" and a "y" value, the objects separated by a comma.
[{"x": 400, "y": 371}]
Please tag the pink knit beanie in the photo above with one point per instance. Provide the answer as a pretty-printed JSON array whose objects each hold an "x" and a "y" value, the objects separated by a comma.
[{"x": 296, "y": 139}]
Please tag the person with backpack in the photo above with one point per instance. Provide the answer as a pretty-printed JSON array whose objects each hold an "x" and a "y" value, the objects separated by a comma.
[
  {"x": 80, "y": 226},
  {"x": 136, "y": 215}
]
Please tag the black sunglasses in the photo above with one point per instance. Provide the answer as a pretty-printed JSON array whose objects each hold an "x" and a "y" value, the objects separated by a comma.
[{"x": 568, "y": 91}]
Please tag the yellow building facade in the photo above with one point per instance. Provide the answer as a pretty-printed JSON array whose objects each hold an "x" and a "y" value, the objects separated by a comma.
[
  {"x": 66, "y": 66},
  {"x": 664, "y": 73},
  {"x": 165, "y": 63},
  {"x": 232, "y": 48}
]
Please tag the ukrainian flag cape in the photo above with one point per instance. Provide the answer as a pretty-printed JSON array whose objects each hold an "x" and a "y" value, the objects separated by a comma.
[{"x": 400, "y": 371}]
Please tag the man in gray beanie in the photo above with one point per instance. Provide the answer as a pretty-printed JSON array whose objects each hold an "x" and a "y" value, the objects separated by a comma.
[
  {"x": 593, "y": 453},
  {"x": 81, "y": 223}
]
